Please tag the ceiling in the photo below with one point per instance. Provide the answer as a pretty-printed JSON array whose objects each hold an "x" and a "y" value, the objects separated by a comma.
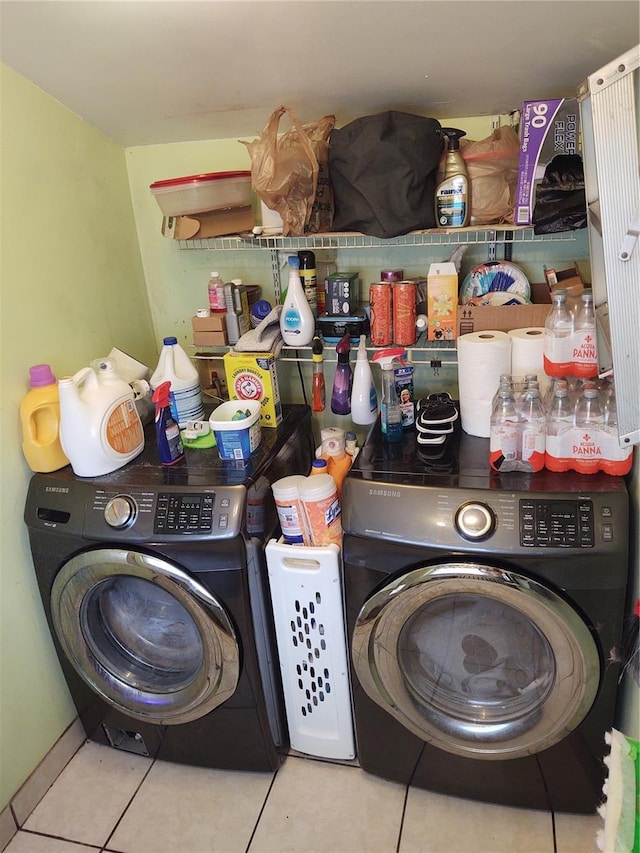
[{"x": 159, "y": 71}]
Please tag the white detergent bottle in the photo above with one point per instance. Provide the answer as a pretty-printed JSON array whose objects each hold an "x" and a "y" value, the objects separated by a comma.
[
  {"x": 175, "y": 366},
  {"x": 100, "y": 428},
  {"x": 364, "y": 399},
  {"x": 297, "y": 323}
]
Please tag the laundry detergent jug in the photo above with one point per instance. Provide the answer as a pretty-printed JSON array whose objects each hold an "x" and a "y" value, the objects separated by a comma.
[{"x": 100, "y": 428}]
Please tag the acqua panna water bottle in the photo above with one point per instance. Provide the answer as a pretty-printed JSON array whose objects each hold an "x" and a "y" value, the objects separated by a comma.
[{"x": 558, "y": 333}]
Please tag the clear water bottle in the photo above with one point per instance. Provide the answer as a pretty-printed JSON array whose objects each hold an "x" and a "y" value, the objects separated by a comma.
[
  {"x": 560, "y": 413},
  {"x": 610, "y": 411},
  {"x": 560, "y": 417},
  {"x": 504, "y": 436},
  {"x": 585, "y": 342},
  {"x": 589, "y": 414},
  {"x": 556, "y": 382},
  {"x": 504, "y": 384},
  {"x": 533, "y": 429},
  {"x": 558, "y": 332}
]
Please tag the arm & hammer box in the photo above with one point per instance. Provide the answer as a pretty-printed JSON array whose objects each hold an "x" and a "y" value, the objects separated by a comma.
[
  {"x": 547, "y": 128},
  {"x": 253, "y": 376}
]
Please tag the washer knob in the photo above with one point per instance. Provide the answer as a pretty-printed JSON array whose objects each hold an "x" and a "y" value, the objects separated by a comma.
[
  {"x": 475, "y": 521},
  {"x": 120, "y": 512}
]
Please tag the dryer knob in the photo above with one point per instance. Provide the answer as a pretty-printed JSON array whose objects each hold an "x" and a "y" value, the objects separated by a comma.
[
  {"x": 475, "y": 521},
  {"x": 120, "y": 512}
]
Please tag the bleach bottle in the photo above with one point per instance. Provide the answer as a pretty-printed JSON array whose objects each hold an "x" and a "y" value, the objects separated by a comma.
[
  {"x": 100, "y": 428},
  {"x": 168, "y": 438},
  {"x": 175, "y": 367}
]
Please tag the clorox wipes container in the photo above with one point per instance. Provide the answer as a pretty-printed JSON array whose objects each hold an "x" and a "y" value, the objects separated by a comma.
[{"x": 100, "y": 428}]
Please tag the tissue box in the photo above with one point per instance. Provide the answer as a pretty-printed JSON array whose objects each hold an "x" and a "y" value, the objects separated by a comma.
[
  {"x": 253, "y": 376},
  {"x": 547, "y": 128}
]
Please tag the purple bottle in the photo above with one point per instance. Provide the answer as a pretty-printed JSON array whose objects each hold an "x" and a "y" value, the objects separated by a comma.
[{"x": 341, "y": 393}]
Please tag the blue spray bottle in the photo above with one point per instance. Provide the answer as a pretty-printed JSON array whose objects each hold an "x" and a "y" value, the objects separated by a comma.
[{"x": 167, "y": 430}]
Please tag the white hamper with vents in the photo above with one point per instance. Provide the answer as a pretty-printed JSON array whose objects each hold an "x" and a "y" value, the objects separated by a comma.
[{"x": 306, "y": 595}]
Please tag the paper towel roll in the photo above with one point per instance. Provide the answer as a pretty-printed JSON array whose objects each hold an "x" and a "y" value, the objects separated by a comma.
[
  {"x": 527, "y": 354},
  {"x": 482, "y": 358}
]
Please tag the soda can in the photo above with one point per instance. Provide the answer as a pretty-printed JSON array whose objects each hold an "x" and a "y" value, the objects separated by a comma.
[
  {"x": 380, "y": 314},
  {"x": 404, "y": 313}
]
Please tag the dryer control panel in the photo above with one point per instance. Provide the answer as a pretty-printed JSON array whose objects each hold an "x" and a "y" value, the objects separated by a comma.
[{"x": 556, "y": 523}]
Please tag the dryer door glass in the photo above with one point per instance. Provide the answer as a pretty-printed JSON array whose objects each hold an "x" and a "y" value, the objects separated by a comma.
[
  {"x": 477, "y": 660},
  {"x": 145, "y": 635}
]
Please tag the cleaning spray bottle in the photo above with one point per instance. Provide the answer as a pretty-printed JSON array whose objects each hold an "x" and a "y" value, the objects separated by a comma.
[
  {"x": 453, "y": 206},
  {"x": 364, "y": 400},
  {"x": 341, "y": 392},
  {"x": 390, "y": 412},
  {"x": 167, "y": 430},
  {"x": 318, "y": 392},
  {"x": 297, "y": 323}
]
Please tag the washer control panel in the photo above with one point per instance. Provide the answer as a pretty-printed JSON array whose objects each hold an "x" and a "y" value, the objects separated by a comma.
[
  {"x": 557, "y": 523},
  {"x": 179, "y": 513},
  {"x": 165, "y": 514}
]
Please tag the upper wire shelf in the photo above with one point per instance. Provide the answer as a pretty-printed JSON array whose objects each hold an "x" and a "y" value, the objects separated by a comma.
[{"x": 353, "y": 240}]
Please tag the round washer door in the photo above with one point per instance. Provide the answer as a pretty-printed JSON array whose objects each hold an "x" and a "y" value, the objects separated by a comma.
[
  {"x": 145, "y": 635},
  {"x": 478, "y": 661}
]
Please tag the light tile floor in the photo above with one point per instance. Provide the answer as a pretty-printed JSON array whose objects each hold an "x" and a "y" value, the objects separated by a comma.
[{"x": 108, "y": 800}]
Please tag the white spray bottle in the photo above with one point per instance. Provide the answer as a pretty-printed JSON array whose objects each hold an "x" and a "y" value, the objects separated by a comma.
[{"x": 364, "y": 399}]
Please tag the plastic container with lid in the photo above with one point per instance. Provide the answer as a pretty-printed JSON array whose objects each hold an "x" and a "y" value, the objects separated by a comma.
[
  {"x": 40, "y": 420},
  {"x": 319, "y": 497},
  {"x": 201, "y": 193},
  {"x": 236, "y": 426},
  {"x": 175, "y": 366},
  {"x": 289, "y": 507}
]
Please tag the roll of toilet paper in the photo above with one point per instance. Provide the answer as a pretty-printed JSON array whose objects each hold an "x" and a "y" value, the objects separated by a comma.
[
  {"x": 482, "y": 358},
  {"x": 527, "y": 354}
]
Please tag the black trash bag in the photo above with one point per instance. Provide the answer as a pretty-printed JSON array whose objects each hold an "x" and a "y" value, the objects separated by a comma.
[
  {"x": 383, "y": 171},
  {"x": 561, "y": 203}
]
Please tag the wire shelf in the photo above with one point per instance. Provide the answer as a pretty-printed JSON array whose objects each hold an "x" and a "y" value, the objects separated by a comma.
[
  {"x": 433, "y": 354},
  {"x": 432, "y": 237}
]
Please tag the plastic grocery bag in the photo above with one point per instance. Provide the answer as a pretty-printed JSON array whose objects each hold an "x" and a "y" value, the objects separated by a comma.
[
  {"x": 492, "y": 165},
  {"x": 561, "y": 203},
  {"x": 284, "y": 169}
]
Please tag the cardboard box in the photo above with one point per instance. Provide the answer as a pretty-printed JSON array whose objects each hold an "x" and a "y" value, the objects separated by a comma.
[
  {"x": 547, "y": 128},
  {"x": 253, "y": 376},
  {"x": 212, "y": 323},
  {"x": 215, "y": 223},
  {"x": 504, "y": 318},
  {"x": 442, "y": 302},
  {"x": 210, "y": 339}
]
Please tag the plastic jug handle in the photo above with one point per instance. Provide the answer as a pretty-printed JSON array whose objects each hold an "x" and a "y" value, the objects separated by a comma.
[{"x": 82, "y": 376}]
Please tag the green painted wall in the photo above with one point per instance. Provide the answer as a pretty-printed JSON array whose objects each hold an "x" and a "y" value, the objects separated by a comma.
[{"x": 72, "y": 287}]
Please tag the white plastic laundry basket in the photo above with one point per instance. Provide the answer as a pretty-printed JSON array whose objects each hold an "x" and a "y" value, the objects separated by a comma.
[{"x": 306, "y": 595}]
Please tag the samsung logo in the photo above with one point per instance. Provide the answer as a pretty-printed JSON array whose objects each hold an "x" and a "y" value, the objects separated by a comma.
[
  {"x": 385, "y": 493},
  {"x": 62, "y": 490}
]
